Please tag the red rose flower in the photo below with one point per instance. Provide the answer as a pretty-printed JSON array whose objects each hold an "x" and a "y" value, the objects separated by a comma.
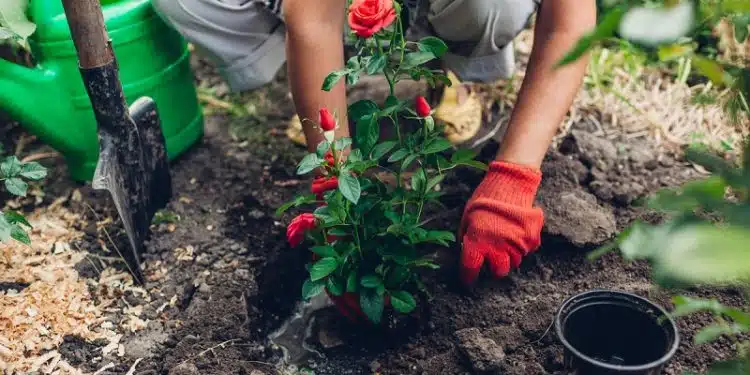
[
  {"x": 423, "y": 108},
  {"x": 326, "y": 120},
  {"x": 322, "y": 184},
  {"x": 367, "y": 17},
  {"x": 295, "y": 232}
]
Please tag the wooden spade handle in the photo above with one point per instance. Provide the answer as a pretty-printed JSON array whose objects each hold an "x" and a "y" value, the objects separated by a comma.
[{"x": 89, "y": 34}]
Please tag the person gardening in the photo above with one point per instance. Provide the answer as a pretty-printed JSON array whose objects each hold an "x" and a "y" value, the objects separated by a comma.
[{"x": 250, "y": 39}]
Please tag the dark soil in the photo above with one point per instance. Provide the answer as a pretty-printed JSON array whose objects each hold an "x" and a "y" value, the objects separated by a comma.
[{"x": 243, "y": 280}]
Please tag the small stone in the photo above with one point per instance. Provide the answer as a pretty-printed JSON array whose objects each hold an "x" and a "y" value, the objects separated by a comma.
[
  {"x": 484, "y": 354},
  {"x": 184, "y": 369},
  {"x": 257, "y": 214},
  {"x": 204, "y": 288},
  {"x": 242, "y": 273},
  {"x": 203, "y": 260}
]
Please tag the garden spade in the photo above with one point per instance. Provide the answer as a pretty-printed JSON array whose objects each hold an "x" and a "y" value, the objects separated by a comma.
[{"x": 132, "y": 164}]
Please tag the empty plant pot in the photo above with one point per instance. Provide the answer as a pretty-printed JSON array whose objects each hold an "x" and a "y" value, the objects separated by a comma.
[{"x": 607, "y": 332}]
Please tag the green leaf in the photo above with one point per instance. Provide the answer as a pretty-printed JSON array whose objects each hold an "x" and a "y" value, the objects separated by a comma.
[
  {"x": 403, "y": 301},
  {"x": 392, "y": 105},
  {"x": 10, "y": 167},
  {"x": 353, "y": 63},
  {"x": 311, "y": 288},
  {"x": 368, "y": 133},
  {"x": 342, "y": 143},
  {"x": 429, "y": 124},
  {"x": 713, "y": 163},
  {"x": 323, "y": 268},
  {"x": 711, "y": 70},
  {"x": 440, "y": 237},
  {"x": 298, "y": 201},
  {"x": 33, "y": 171},
  {"x": 641, "y": 241},
  {"x": 605, "y": 29},
  {"x": 436, "y": 145},
  {"x": 733, "y": 367},
  {"x": 13, "y": 16},
  {"x": 418, "y": 181},
  {"x": 322, "y": 148},
  {"x": 704, "y": 254},
  {"x": 371, "y": 281},
  {"x": 352, "y": 78},
  {"x": 674, "y": 51},
  {"x": 335, "y": 286},
  {"x": 339, "y": 232},
  {"x": 433, "y": 45},
  {"x": 16, "y": 218},
  {"x": 397, "y": 275},
  {"x": 372, "y": 305},
  {"x": 20, "y": 235},
  {"x": 349, "y": 187},
  {"x": 463, "y": 155},
  {"x": 383, "y": 148},
  {"x": 332, "y": 79},
  {"x": 434, "y": 182},
  {"x": 308, "y": 164},
  {"x": 362, "y": 108},
  {"x": 398, "y": 155},
  {"x": 325, "y": 251},
  {"x": 6, "y": 229},
  {"x": 408, "y": 160},
  {"x": 474, "y": 164},
  {"x": 713, "y": 332},
  {"x": 16, "y": 186},
  {"x": 351, "y": 282},
  {"x": 425, "y": 263},
  {"x": 414, "y": 59},
  {"x": 741, "y": 23},
  {"x": 376, "y": 64}
]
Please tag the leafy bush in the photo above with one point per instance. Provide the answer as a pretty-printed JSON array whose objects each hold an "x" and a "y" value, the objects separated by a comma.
[
  {"x": 367, "y": 234},
  {"x": 705, "y": 240},
  {"x": 14, "y": 174}
]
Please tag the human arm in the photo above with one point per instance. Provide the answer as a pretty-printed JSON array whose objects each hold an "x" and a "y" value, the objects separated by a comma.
[
  {"x": 500, "y": 225},
  {"x": 315, "y": 48},
  {"x": 547, "y": 91}
]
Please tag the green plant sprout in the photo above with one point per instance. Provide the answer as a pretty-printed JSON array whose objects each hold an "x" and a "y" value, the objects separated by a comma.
[{"x": 14, "y": 174}]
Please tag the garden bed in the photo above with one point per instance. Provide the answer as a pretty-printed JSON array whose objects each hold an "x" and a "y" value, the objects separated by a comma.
[{"x": 221, "y": 276}]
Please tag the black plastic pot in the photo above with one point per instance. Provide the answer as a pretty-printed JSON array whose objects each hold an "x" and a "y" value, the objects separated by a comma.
[{"x": 608, "y": 332}]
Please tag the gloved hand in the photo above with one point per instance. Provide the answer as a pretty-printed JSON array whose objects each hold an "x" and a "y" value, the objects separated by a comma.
[{"x": 500, "y": 224}]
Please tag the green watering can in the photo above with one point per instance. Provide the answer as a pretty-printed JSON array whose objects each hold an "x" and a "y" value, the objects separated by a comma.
[{"x": 51, "y": 101}]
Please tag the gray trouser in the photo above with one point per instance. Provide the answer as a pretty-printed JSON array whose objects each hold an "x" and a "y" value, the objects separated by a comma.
[{"x": 245, "y": 38}]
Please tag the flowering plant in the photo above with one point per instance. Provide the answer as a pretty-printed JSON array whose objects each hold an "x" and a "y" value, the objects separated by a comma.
[{"x": 368, "y": 234}]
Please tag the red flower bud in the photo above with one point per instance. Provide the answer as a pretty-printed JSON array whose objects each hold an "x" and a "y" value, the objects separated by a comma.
[
  {"x": 329, "y": 158},
  {"x": 295, "y": 232},
  {"x": 322, "y": 184},
  {"x": 326, "y": 120},
  {"x": 423, "y": 108}
]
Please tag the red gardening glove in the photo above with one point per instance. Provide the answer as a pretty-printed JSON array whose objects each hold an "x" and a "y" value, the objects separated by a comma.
[{"x": 500, "y": 224}]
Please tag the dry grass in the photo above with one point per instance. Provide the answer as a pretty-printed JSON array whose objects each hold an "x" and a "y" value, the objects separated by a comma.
[
  {"x": 56, "y": 303},
  {"x": 621, "y": 96}
]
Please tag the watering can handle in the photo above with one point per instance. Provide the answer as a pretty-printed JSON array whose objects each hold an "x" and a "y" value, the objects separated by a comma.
[{"x": 89, "y": 34}]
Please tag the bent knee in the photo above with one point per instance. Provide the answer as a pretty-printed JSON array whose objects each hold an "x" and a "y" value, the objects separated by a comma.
[{"x": 475, "y": 20}]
